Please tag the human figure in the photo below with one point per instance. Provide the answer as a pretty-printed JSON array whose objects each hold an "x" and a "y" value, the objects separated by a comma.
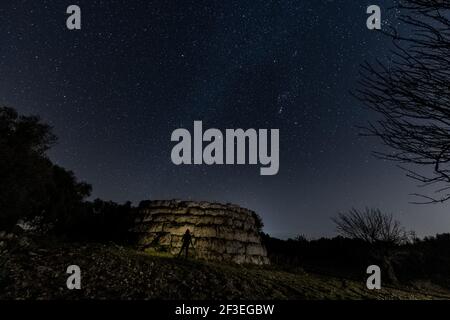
[{"x": 187, "y": 240}]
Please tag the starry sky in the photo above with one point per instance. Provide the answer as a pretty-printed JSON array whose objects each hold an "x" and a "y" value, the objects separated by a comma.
[{"x": 137, "y": 70}]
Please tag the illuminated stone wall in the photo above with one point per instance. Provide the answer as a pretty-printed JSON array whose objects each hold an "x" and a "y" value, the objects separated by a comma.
[{"x": 221, "y": 232}]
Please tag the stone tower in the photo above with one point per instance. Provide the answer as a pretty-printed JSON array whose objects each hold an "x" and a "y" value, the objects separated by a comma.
[{"x": 220, "y": 232}]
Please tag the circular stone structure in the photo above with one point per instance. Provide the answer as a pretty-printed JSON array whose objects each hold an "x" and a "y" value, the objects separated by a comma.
[{"x": 220, "y": 232}]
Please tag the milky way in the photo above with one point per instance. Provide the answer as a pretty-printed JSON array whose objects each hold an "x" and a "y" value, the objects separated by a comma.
[{"x": 115, "y": 90}]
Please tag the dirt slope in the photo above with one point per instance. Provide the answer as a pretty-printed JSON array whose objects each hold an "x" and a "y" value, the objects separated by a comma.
[{"x": 37, "y": 270}]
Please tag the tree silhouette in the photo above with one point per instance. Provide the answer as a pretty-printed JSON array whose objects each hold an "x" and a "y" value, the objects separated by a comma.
[
  {"x": 412, "y": 95},
  {"x": 30, "y": 184},
  {"x": 370, "y": 225}
]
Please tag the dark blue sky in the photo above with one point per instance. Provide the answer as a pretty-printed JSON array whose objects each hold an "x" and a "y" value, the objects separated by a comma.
[{"x": 115, "y": 90}]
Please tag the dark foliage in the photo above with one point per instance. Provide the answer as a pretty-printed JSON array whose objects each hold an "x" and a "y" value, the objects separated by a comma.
[
  {"x": 338, "y": 256},
  {"x": 102, "y": 221},
  {"x": 32, "y": 188},
  {"x": 426, "y": 259},
  {"x": 258, "y": 221},
  {"x": 30, "y": 184}
]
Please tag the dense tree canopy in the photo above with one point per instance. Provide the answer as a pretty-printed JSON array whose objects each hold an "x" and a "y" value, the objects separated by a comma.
[{"x": 30, "y": 184}]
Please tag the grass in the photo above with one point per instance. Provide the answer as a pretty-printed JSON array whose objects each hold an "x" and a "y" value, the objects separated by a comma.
[{"x": 114, "y": 272}]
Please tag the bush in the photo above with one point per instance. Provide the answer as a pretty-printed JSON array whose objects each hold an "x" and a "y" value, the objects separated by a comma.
[{"x": 370, "y": 225}]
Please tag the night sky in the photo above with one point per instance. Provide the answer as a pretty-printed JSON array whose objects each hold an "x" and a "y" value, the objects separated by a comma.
[{"x": 115, "y": 90}]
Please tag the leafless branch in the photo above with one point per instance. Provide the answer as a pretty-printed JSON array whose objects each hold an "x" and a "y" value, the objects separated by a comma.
[{"x": 412, "y": 94}]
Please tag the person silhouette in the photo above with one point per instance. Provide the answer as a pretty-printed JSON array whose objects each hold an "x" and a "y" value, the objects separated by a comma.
[{"x": 187, "y": 240}]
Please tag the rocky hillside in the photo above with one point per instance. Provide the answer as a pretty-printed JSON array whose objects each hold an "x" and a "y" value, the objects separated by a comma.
[{"x": 36, "y": 269}]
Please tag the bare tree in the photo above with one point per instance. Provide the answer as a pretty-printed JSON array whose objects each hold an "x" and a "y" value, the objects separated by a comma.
[
  {"x": 412, "y": 95},
  {"x": 370, "y": 225}
]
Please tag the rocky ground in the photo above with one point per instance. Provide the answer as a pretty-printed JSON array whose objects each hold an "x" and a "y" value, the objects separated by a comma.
[{"x": 36, "y": 269}]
